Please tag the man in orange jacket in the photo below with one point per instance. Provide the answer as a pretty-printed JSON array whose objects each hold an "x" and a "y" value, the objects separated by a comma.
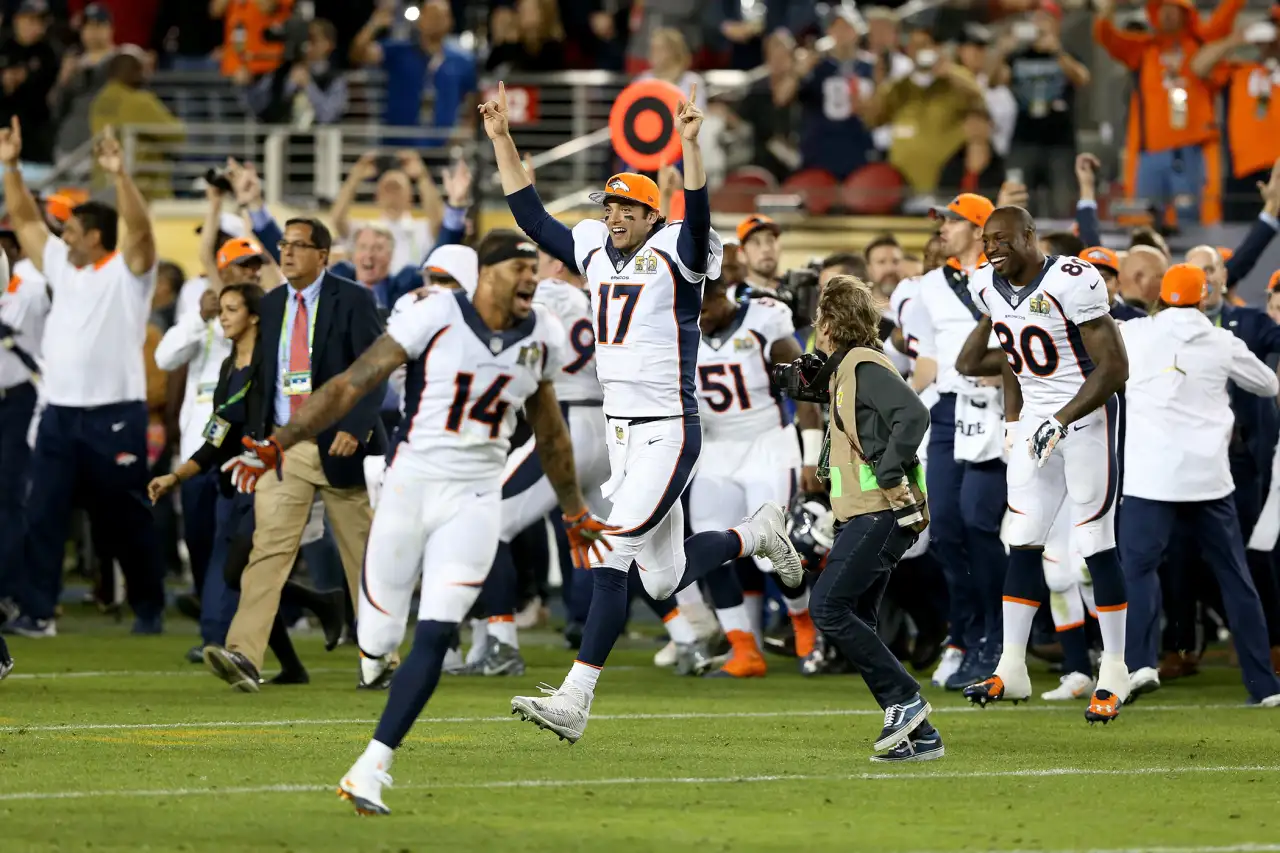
[{"x": 1172, "y": 136}]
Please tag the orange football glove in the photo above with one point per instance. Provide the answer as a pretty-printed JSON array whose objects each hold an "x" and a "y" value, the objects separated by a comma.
[
  {"x": 257, "y": 459},
  {"x": 586, "y": 535}
]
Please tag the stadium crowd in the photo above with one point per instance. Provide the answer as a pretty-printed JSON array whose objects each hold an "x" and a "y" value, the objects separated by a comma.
[{"x": 128, "y": 377}]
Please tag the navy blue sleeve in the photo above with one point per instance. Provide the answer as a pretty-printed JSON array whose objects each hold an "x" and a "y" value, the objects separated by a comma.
[
  {"x": 1087, "y": 221},
  {"x": 1264, "y": 334},
  {"x": 268, "y": 232},
  {"x": 695, "y": 231},
  {"x": 453, "y": 227},
  {"x": 365, "y": 328},
  {"x": 406, "y": 280},
  {"x": 1246, "y": 255},
  {"x": 344, "y": 269},
  {"x": 552, "y": 237}
]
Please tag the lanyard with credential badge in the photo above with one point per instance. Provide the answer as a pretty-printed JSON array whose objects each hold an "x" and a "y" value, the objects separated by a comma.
[{"x": 236, "y": 397}]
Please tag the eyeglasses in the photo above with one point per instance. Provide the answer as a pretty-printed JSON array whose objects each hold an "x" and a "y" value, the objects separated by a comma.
[{"x": 288, "y": 245}]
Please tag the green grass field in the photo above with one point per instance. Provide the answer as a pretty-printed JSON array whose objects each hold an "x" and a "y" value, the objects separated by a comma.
[{"x": 110, "y": 742}]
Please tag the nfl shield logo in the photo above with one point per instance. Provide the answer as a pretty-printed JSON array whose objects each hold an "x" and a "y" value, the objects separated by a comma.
[{"x": 618, "y": 432}]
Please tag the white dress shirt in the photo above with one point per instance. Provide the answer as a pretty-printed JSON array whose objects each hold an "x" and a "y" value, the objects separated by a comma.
[
  {"x": 1178, "y": 414},
  {"x": 202, "y": 347},
  {"x": 24, "y": 305},
  {"x": 96, "y": 329}
]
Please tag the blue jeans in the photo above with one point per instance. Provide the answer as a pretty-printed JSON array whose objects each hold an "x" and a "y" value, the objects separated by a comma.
[
  {"x": 234, "y": 517},
  {"x": 1175, "y": 176}
]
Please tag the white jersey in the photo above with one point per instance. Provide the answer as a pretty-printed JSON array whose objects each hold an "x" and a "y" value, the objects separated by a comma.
[
  {"x": 576, "y": 382},
  {"x": 736, "y": 397},
  {"x": 646, "y": 309},
  {"x": 1038, "y": 327},
  {"x": 936, "y": 322},
  {"x": 466, "y": 382},
  {"x": 24, "y": 305}
]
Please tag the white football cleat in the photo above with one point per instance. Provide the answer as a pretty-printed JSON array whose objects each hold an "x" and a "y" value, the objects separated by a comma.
[
  {"x": 1074, "y": 685},
  {"x": 362, "y": 787},
  {"x": 769, "y": 525},
  {"x": 951, "y": 660},
  {"x": 375, "y": 673},
  {"x": 667, "y": 655},
  {"x": 564, "y": 711},
  {"x": 1144, "y": 680}
]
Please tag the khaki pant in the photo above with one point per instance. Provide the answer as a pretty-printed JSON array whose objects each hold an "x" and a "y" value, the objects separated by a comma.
[{"x": 281, "y": 509}]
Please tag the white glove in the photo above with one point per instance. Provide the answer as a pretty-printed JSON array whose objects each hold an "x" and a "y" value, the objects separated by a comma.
[
  {"x": 1010, "y": 433},
  {"x": 1044, "y": 439}
]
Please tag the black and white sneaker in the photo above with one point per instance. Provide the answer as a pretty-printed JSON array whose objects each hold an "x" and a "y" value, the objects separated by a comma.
[
  {"x": 6, "y": 667},
  {"x": 901, "y": 720},
  {"x": 233, "y": 668},
  {"x": 923, "y": 748}
]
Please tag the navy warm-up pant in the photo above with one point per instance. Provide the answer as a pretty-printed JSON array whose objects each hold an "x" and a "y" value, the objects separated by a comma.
[
  {"x": 199, "y": 522},
  {"x": 99, "y": 454},
  {"x": 967, "y": 503},
  {"x": 1147, "y": 529},
  {"x": 17, "y": 405}
]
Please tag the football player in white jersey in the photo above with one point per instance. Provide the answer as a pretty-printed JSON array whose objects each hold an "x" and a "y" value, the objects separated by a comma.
[
  {"x": 645, "y": 279},
  {"x": 750, "y": 451},
  {"x": 471, "y": 365},
  {"x": 527, "y": 493},
  {"x": 1065, "y": 363}
]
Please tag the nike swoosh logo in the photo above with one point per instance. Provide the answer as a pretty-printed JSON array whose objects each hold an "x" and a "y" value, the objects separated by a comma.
[
  {"x": 1078, "y": 427},
  {"x": 654, "y": 440},
  {"x": 1093, "y": 286}
]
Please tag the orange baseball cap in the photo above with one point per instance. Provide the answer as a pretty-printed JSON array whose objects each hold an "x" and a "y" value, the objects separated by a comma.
[
  {"x": 1223, "y": 252},
  {"x": 239, "y": 250},
  {"x": 629, "y": 186},
  {"x": 967, "y": 206},
  {"x": 59, "y": 206},
  {"x": 1274, "y": 283},
  {"x": 755, "y": 222},
  {"x": 1100, "y": 256},
  {"x": 1183, "y": 285}
]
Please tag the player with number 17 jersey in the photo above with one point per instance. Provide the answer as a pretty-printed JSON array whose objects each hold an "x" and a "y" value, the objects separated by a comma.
[{"x": 1038, "y": 327}]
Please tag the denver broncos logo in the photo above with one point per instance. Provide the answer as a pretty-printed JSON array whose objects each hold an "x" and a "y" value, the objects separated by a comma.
[{"x": 618, "y": 186}]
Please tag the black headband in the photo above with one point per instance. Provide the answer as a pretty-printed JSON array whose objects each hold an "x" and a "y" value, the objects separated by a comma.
[{"x": 509, "y": 249}]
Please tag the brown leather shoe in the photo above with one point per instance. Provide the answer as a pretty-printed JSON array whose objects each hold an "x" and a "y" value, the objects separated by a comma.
[
  {"x": 1275, "y": 659},
  {"x": 1179, "y": 665}
]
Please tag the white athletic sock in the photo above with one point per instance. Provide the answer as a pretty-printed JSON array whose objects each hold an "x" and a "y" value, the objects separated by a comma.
[
  {"x": 734, "y": 618},
  {"x": 754, "y": 602},
  {"x": 1017, "y": 629},
  {"x": 503, "y": 628},
  {"x": 479, "y": 639},
  {"x": 748, "y": 539},
  {"x": 377, "y": 754},
  {"x": 1111, "y": 621},
  {"x": 799, "y": 604},
  {"x": 583, "y": 676},
  {"x": 679, "y": 628}
]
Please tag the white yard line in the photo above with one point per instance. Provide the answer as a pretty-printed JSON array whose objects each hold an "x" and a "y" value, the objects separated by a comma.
[
  {"x": 705, "y": 780},
  {"x": 195, "y": 670},
  {"x": 691, "y": 715}
]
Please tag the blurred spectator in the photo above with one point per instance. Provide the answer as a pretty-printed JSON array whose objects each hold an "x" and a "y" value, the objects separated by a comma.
[
  {"x": 528, "y": 38},
  {"x": 247, "y": 49},
  {"x": 743, "y": 37},
  {"x": 186, "y": 36},
  {"x": 1171, "y": 111},
  {"x": 1140, "y": 274},
  {"x": 595, "y": 33},
  {"x": 28, "y": 71},
  {"x": 1061, "y": 243},
  {"x": 1273, "y": 297},
  {"x": 645, "y": 19},
  {"x": 670, "y": 61},
  {"x": 431, "y": 82},
  {"x": 1044, "y": 79},
  {"x": 135, "y": 19},
  {"x": 83, "y": 74},
  {"x": 975, "y": 56},
  {"x": 977, "y": 167},
  {"x": 164, "y": 302},
  {"x": 835, "y": 94},
  {"x": 925, "y": 111},
  {"x": 1252, "y": 126},
  {"x": 884, "y": 264},
  {"x": 123, "y": 102},
  {"x": 771, "y": 111},
  {"x": 413, "y": 236},
  {"x": 884, "y": 43},
  {"x": 308, "y": 92}
]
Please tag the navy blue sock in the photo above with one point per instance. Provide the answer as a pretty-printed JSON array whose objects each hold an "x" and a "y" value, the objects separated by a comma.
[
  {"x": 1075, "y": 650},
  {"x": 566, "y": 562},
  {"x": 414, "y": 682},
  {"x": 499, "y": 591},
  {"x": 724, "y": 588},
  {"x": 792, "y": 593},
  {"x": 607, "y": 616},
  {"x": 1108, "y": 579},
  {"x": 580, "y": 599},
  {"x": 706, "y": 552},
  {"x": 750, "y": 578},
  {"x": 1025, "y": 579}
]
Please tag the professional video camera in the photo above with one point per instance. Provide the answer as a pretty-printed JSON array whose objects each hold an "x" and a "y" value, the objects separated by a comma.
[{"x": 807, "y": 379}]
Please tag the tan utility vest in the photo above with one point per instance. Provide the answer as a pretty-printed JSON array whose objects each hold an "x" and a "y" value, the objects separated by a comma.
[{"x": 854, "y": 489}]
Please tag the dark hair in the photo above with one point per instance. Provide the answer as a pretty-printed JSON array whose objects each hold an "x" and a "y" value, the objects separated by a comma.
[
  {"x": 251, "y": 294},
  {"x": 850, "y": 312},
  {"x": 320, "y": 235},
  {"x": 1147, "y": 236},
  {"x": 1063, "y": 243},
  {"x": 100, "y": 217},
  {"x": 171, "y": 271},
  {"x": 850, "y": 263},
  {"x": 880, "y": 242}
]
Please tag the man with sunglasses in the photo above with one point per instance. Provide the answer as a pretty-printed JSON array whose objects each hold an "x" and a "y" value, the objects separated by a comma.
[{"x": 312, "y": 330}]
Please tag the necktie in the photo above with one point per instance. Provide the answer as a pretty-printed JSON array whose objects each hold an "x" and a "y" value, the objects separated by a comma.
[{"x": 299, "y": 352}]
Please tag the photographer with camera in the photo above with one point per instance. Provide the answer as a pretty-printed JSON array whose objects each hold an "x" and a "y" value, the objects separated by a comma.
[
  {"x": 877, "y": 495},
  {"x": 308, "y": 88}
]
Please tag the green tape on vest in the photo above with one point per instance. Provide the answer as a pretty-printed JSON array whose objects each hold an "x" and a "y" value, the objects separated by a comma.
[
  {"x": 867, "y": 478},
  {"x": 917, "y": 474}
]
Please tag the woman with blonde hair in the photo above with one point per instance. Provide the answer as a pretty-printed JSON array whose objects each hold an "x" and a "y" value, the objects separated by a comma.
[{"x": 670, "y": 61}]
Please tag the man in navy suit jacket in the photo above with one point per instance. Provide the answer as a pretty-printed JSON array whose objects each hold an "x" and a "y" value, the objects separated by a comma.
[{"x": 311, "y": 330}]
